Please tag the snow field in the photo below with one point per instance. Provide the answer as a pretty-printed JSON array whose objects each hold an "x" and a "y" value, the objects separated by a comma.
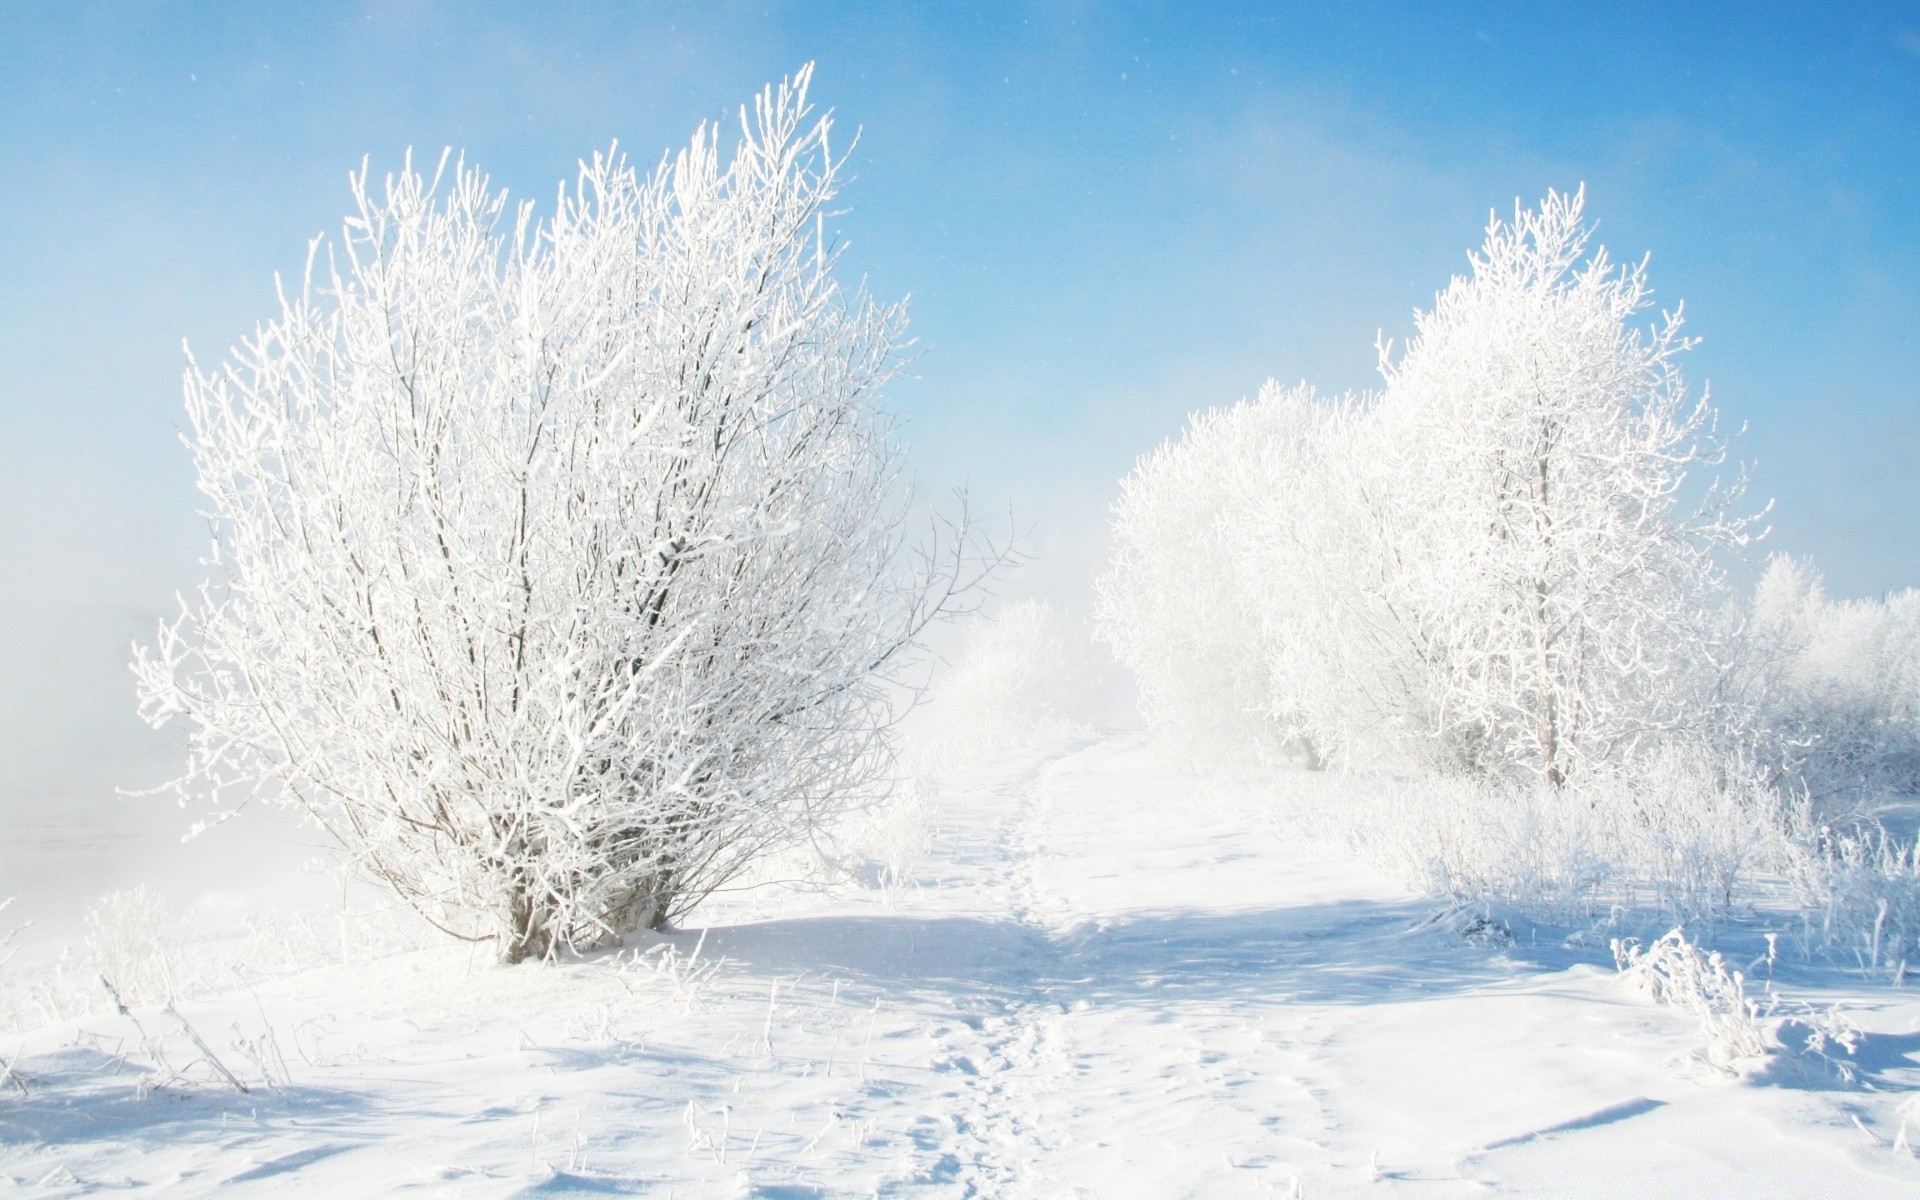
[{"x": 1107, "y": 978}]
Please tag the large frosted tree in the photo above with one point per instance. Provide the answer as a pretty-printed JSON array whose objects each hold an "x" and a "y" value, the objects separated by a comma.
[
  {"x": 1503, "y": 564},
  {"x": 1559, "y": 579},
  {"x": 561, "y": 562}
]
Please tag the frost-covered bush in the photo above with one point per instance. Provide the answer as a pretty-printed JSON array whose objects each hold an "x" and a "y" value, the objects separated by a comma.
[
  {"x": 563, "y": 562},
  {"x": 1698, "y": 833},
  {"x": 1674, "y": 971},
  {"x": 153, "y": 953},
  {"x": 1837, "y": 684},
  {"x": 137, "y": 942},
  {"x": 1229, "y": 546},
  {"x": 1681, "y": 839},
  {"x": 1173, "y": 607},
  {"x": 875, "y": 844},
  {"x": 1490, "y": 569},
  {"x": 1864, "y": 888},
  {"x": 1473, "y": 841}
]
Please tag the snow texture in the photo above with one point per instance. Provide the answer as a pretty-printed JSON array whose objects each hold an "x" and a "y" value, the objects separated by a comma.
[{"x": 1108, "y": 977}]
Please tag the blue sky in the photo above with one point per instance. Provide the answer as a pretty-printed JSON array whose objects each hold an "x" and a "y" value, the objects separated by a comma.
[{"x": 1106, "y": 215}]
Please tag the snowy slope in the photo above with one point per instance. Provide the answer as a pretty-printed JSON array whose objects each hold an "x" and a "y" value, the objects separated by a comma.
[{"x": 1108, "y": 979}]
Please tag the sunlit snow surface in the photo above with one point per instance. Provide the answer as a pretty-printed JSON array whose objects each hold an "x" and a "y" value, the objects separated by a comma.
[{"x": 1106, "y": 979}]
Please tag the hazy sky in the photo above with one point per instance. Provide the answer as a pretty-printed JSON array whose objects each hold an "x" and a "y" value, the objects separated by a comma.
[{"x": 1106, "y": 216}]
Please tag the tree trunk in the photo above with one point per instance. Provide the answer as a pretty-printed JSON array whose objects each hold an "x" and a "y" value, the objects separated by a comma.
[{"x": 526, "y": 934}]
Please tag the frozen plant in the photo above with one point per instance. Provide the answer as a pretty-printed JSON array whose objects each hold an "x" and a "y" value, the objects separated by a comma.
[
  {"x": 281, "y": 943},
  {"x": 1682, "y": 840},
  {"x": 1555, "y": 588},
  {"x": 688, "y": 974},
  {"x": 1673, "y": 971},
  {"x": 563, "y": 563},
  {"x": 1478, "y": 844},
  {"x": 136, "y": 941},
  {"x": 1821, "y": 1039},
  {"x": 1171, "y": 607},
  {"x": 1699, "y": 832},
  {"x": 878, "y": 842},
  {"x": 1864, "y": 889},
  {"x": 1838, "y": 685},
  {"x": 1231, "y": 558},
  {"x": 1501, "y": 566}
]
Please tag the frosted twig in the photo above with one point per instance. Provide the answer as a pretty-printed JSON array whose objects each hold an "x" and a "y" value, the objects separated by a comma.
[
  {"x": 153, "y": 1050},
  {"x": 212, "y": 1059}
]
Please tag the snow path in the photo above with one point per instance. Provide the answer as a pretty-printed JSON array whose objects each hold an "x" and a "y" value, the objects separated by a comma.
[{"x": 1107, "y": 981}]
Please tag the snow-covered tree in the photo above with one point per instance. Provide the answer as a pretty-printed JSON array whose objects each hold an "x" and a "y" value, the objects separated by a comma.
[
  {"x": 1229, "y": 557},
  {"x": 1172, "y": 608},
  {"x": 1555, "y": 583},
  {"x": 562, "y": 564},
  {"x": 1837, "y": 683},
  {"x": 1493, "y": 567}
]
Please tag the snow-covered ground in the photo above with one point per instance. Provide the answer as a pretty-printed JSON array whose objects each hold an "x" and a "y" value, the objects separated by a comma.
[{"x": 1106, "y": 979}]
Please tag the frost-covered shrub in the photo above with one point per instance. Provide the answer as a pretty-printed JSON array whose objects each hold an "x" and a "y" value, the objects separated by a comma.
[
  {"x": 1179, "y": 607},
  {"x": 1837, "y": 683},
  {"x": 137, "y": 942},
  {"x": 1681, "y": 840},
  {"x": 1835, "y": 686},
  {"x": 1460, "y": 839},
  {"x": 1487, "y": 570},
  {"x": 1697, "y": 832},
  {"x": 1864, "y": 888},
  {"x": 1474, "y": 841},
  {"x": 153, "y": 953},
  {"x": 1674, "y": 971},
  {"x": 875, "y": 844},
  {"x": 564, "y": 562}
]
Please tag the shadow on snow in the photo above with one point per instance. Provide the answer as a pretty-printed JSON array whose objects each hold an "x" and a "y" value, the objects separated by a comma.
[{"x": 1351, "y": 952}]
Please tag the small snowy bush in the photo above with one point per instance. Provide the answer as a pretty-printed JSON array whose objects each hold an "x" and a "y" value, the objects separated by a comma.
[
  {"x": 1673, "y": 971},
  {"x": 137, "y": 942},
  {"x": 872, "y": 845},
  {"x": 1680, "y": 840},
  {"x": 1700, "y": 834},
  {"x": 1864, "y": 889},
  {"x": 153, "y": 953},
  {"x": 1463, "y": 840}
]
